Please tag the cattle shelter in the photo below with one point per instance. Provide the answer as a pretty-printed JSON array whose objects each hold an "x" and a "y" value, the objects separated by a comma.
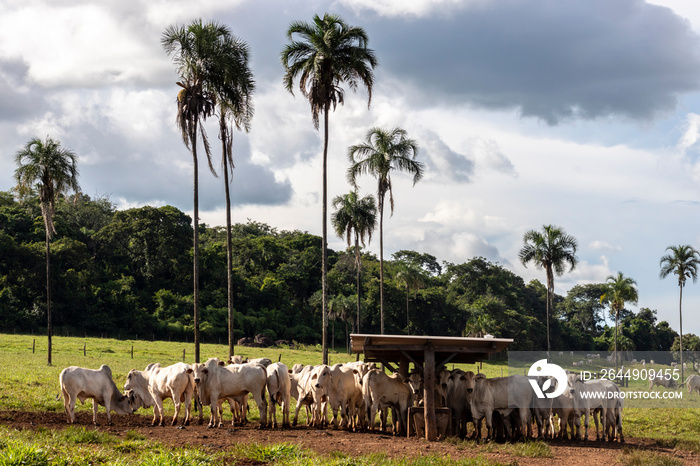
[{"x": 427, "y": 353}]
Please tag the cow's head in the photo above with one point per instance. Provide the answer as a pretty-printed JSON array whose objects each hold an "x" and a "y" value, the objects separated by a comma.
[
  {"x": 469, "y": 379},
  {"x": 322, "y": 377},
  {"x": 415, "y": 381},
  {"x": 135, "y": 401},
  {"x": 200, "y": 372}
]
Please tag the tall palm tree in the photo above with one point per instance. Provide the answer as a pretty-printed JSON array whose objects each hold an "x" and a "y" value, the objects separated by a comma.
[
  {"x": 683, "y": 261},
  {"x": 619, "y": 290},
  {"x": 551, "y": 249},
  {"x": 412, "y": 278},
  {"x": 327, "y": 54},
  {"x": 54, "y": 171},
  {"x": 234, "y": 87},
  {"x": 356, "y": 219},
  {"x": 383, "y": 152},
  {"x": 197, "y": 52}
]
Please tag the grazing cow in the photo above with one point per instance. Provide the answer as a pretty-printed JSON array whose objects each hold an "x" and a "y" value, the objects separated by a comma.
[
  {"x": 381, "y": 391},
  {"x": 156, "y": 383},
  {"x": 504, "y": 394},
  {"x": 215, "y": 382},
  {"x": 693, "y": 383},
  {"x": 278, "y": 386},
  {"x": 662, "y": 381},
  {"x": 78, "y": 383}
]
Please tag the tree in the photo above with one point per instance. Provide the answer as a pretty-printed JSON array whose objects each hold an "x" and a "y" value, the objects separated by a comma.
[
  {"x": 551, "y": 249},
  {"x": 328, "y": 53},
  {"x": 683, "y": 261},
  {"x": 53, "y": 169},
  {"x": 355, "y": 219},
  {"x": 412, "y": 278},
  {"x": 197, "y": 51},
  {"x": 234, "y": 86},
  {"x": 618, "y": 290},
  {"x": 383, "y": 152}
]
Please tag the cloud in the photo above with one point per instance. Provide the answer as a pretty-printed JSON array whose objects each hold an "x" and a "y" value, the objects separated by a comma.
[
  {"x": 549, "y": 59},
  {"x": 442, "y": 163}
]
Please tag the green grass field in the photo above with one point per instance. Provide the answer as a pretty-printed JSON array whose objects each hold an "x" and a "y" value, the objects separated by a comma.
[{"x": 29, "y": 384}]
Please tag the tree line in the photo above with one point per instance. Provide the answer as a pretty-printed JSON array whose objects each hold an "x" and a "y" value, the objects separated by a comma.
[{"x": 128, "y": 274}]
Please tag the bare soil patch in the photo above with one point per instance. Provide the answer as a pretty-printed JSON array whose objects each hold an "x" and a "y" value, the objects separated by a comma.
[{"x": 327, "y": 441}]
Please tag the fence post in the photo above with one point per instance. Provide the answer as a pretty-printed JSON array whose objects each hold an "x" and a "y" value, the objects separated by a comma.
[
  {"x": 84, "y": 349},
  {"x": 183, "y": 354},
  {"x": 132, "y": 351}
]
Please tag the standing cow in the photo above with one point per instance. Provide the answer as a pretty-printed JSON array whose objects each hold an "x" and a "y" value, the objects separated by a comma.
[
  {"x": 78, "y": 383},
  {"x": 278, "y": 386},
  {"x": 693, "y": 383},
  {"x": 156, "y": 383},
  {"x": 215, "y": 382}
]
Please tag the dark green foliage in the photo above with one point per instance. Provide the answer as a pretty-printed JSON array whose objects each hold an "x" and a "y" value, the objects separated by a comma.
[{"x": 128, "y": 274}]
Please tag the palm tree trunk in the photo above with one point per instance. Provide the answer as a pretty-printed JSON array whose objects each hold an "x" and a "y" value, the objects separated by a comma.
[
  {"x": 381, "y": 263},
  {"x": 550, "y": 292},
  {"x": 324, "y": 239},
  {"x": 680, "y": 312},
  {"x": 358, "y": 264},
  {"x": 408, "y": 319},
  {"x": 49, "y": 323},
  {"x": 617, "y": 316},
  {"x": 195, "y": 254},
  {"x": 229, "y": 254}
]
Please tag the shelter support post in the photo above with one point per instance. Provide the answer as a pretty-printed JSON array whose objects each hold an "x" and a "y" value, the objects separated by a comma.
[{"x": 429, "y": 393}]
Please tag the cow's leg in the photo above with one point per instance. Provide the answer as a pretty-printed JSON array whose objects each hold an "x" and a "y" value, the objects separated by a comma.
[
  {"x": 178, "y": 405},
  {"x": 285, "y": 412},
  {"x": 261, "y": 401},
  {"x": 272, "y": 412},
  {"x": 158, "y": 413},
  {"x": 188, "y": 402},
  {"x": 94, "y": 411},
  {"x": 68, "y": 406}
]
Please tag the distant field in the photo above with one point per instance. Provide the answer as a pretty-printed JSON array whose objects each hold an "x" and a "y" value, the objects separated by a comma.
[{"x": 29, "y": 384}]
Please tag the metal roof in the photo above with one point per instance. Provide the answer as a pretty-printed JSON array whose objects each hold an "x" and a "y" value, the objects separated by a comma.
[{"x": 455, "y": 350}]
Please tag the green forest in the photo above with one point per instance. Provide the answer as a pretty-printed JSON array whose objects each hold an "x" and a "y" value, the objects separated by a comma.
[{"x": 128, "y": 274}]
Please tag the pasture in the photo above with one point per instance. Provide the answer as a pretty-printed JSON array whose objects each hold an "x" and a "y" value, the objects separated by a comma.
[{"x": 655, "y": 436}]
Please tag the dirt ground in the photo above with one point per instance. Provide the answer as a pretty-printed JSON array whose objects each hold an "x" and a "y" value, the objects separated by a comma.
[{"x": 348, "y": 443}]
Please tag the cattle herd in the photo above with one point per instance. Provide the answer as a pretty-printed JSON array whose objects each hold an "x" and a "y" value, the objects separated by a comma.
[{"x": 353, "y": 394}]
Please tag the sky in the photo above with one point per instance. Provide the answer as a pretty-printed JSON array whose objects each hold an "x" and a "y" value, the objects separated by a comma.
[{"x": 584, "y": 114}]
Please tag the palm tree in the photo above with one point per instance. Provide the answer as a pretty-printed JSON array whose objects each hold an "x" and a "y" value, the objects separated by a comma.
[
  {"x": 355, "y": 219},
  {"x": 328, "y": 53},
  {"x": 412, "y": 278},
  {"x": 197, "y": 53},
  {"x": 683, "y": 261},
  {"x": 618, "y": 290},
  {"x": 383, "y": 152},
  {"x": 53, "y": 169},
  {"x": 551, "y": 249},
  {"x": 234, "y": 90}
]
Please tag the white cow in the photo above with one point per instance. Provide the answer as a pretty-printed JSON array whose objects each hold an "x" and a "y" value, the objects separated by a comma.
[
  {"x": 460, "y": 387},
  {"x": 693, "y": 383},
  {"x": 380, "y": 392},
  {"x": 156, "y": 383},
  {"x": 590, "y": 396},
  {"x": 344, "y": 395},
  {"x": 312, "y": 385},
  {"x": 503, "y": 394},
  {"x": 214, "y": 381},
  {"x": 278, "y": 386},
  {"x": 78, "y": 383}
]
